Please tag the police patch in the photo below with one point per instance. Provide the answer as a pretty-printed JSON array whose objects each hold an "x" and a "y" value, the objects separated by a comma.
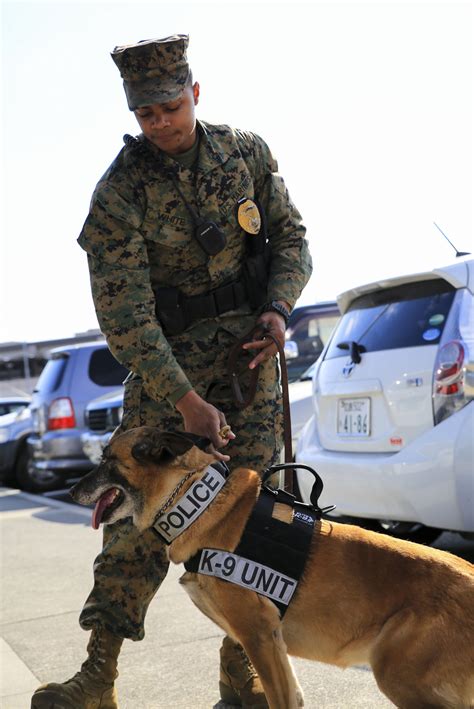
[
  {"x": 248, "y": 216},
  {"x": 198, "y": 497}
]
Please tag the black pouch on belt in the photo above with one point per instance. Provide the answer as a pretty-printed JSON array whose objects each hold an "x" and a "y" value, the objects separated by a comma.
[{"x": 170, "y": 311}]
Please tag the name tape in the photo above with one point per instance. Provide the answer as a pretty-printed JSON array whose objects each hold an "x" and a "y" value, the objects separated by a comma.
[
  {"x": 248, "y": 574},
  {"x": 197, "y": 498}
]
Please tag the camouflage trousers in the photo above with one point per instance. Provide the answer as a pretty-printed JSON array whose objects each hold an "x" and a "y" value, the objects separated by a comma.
[{"x": 132, "y": 565}]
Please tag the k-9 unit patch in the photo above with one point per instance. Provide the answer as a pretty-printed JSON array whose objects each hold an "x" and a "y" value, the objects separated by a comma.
[{"x": 248, "y": 574}]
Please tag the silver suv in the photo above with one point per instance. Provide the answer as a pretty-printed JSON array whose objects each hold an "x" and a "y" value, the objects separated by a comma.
[{"x": 71, "y": 378}]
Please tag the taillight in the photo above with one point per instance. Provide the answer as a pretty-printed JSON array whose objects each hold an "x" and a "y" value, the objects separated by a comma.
[
  {"x": 448, "y": 383},
  {"x": 449, "y": 372},
  {"x": 61, "y": 414}
]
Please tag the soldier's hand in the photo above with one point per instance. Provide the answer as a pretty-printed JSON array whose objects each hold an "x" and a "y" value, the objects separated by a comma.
[
  {"x": 274, "y": 323},
  {"x": 203, "y": 419}
]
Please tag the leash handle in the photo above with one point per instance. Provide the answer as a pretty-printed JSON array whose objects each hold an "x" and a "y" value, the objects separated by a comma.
[
  {"x": 289, "y": 471},
  {"x": 236, "y": 350},
  {"x": 241, "y": 402}
]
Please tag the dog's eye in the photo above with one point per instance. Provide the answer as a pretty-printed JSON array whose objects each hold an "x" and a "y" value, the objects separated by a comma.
[{"x": 141, "y": 451}]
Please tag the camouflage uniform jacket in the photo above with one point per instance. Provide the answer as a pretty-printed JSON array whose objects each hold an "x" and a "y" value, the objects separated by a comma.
[{"x": 139, "y": 236}]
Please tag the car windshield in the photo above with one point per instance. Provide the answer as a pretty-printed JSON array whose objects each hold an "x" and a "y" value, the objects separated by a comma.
[{"x": 411, "y": 315}]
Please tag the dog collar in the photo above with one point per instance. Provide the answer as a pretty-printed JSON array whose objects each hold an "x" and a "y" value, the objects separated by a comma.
[{"x": 172, "y": 522}]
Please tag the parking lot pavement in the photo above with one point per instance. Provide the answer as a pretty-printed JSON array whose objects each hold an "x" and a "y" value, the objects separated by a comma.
[{"x": 47, "y": 551}]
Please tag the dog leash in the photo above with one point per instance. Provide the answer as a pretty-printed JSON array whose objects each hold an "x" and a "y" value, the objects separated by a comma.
[{"x": 241, "y": 401}]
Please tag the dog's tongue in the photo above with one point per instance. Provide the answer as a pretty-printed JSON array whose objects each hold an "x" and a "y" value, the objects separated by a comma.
[{"x": 100, "y": 507}]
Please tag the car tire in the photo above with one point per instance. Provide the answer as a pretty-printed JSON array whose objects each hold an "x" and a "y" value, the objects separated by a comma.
[{"x": 31, "y": 480}]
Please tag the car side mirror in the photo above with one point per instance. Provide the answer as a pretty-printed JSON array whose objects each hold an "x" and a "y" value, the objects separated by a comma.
[{"x": 291, "y": 349}]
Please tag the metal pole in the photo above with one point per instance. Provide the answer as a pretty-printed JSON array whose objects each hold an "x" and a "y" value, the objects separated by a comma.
[{"x": 26, "y": 364}]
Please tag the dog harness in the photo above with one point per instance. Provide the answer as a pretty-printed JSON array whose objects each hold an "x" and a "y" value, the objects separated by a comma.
[{"x": 271, "y": 555}]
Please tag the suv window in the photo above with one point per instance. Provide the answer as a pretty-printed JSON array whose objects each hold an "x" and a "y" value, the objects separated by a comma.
[
  {"x": 410, "y": 315},
  {"x": 52, "y": 374},
  {"x": 104, "y": 370}
]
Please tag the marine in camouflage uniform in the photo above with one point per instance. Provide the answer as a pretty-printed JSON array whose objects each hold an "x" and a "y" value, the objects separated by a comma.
[{"x": 139, "y": 238}]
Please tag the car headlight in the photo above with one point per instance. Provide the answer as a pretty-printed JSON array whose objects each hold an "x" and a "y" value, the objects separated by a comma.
[{"x": 24, "y": 414}]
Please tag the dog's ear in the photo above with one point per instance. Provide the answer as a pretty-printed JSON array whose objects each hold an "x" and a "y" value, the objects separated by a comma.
[
  {"x": 199, "y": 441},
  {"x": 159, "y": 447}
]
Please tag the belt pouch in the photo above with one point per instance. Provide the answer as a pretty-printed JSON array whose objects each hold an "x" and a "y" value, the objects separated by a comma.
[{"x": 170, "y": 311}]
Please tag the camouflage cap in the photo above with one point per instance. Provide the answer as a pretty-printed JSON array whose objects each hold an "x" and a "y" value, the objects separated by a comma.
[{"x": 153, "y": 70}]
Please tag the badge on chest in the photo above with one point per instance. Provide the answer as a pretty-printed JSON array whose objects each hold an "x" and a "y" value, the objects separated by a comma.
[{"x": 248, "y": 216}]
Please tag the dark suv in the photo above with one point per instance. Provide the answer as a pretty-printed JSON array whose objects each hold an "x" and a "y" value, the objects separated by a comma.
[{"x": 72, "y": 377}]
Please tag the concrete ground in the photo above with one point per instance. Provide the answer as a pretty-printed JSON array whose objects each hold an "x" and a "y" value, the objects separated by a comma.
[{"x": 47, "y": 549}]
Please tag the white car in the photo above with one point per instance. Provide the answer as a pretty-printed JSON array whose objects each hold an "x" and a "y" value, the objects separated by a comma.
[
  {"x": 301, "y": 402},
  {"x": 393, "y": 420}
]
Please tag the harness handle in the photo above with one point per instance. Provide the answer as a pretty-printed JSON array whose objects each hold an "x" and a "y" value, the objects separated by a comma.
[{"x": 318, "y": 484}]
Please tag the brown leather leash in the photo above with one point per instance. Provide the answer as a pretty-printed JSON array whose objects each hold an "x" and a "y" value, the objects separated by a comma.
[{"x": 241, "y": 401}]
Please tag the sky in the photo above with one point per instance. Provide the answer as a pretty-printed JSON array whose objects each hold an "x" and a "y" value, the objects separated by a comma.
[{"x": 367, "y": 106}]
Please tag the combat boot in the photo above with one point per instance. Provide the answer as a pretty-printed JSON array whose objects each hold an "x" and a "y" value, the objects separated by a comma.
[
  {"x": 239, "y": 684},
  {"x": 93, "y": 686}
]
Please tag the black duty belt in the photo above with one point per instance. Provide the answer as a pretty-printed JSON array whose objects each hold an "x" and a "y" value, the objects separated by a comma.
[{"x": 176, "y": 311}]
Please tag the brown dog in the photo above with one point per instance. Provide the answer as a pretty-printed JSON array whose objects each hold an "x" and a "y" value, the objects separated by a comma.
[{"x": 405, "y": 609}]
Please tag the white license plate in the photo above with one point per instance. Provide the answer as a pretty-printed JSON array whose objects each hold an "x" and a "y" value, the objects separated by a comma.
[{"x": 353, "y": 417}]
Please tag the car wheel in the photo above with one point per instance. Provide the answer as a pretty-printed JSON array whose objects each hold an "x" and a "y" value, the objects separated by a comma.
[
  {"x": 410, "y": 531},
  {"x": 32, "y": 480}
]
